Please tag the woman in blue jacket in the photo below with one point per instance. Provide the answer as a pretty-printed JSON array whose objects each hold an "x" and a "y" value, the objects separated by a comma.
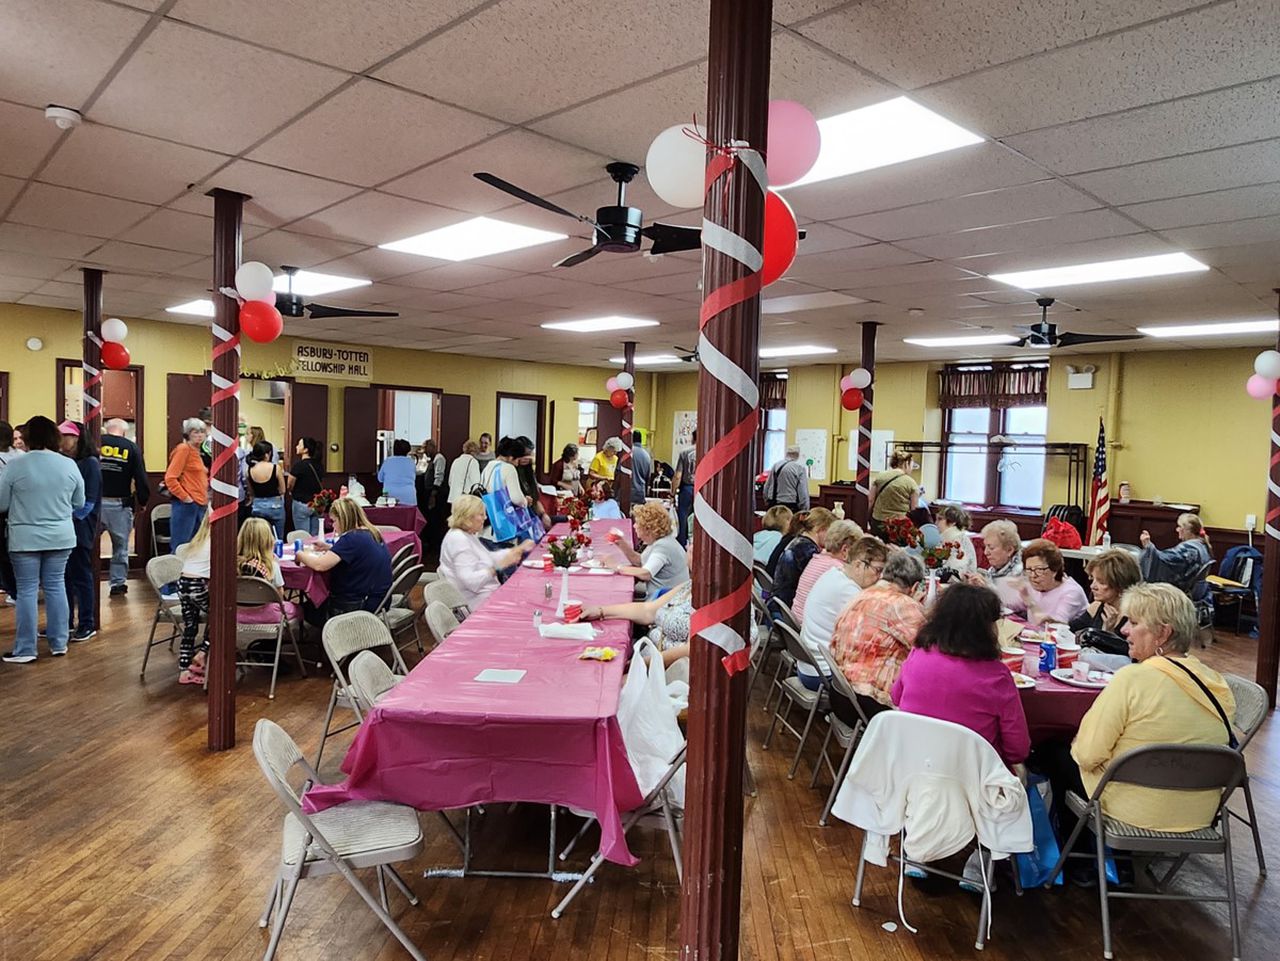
[
  {"x": 81, "y": 573},
  {"x": 40, "y": 491}
]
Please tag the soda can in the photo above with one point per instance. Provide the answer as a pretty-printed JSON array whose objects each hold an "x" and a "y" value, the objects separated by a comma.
[
  {"x": 1048, "y": 656},
  {"x": 297, "y": 545},
  {"x": 279, "y": 548}
]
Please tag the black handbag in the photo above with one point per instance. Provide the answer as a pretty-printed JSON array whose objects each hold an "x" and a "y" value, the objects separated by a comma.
[{"x": 1108, "y": 642}]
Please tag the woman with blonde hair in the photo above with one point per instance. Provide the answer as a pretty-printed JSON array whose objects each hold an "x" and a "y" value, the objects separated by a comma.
[
  {"x": 464, "y": 472},
  {"x": 797, "y": 555},
  {"x": 1181, "y": 564},
  {"x": 1003, "y": 547},
  {"x": 894, "y": 492},
  {"x": 358, "y": 563},
  {"x": 663, "y": 564},
  {"x": 464, "y": 560},
  {"x": 1111, "y": 574},
  {"x": 193, "y": 596},
  {"x": 776, "y": 521}
]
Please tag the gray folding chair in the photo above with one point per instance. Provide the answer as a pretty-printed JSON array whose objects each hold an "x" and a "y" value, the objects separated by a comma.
[
  {"x": 847, "y": 737},
  {"x": 162, "y": 570},
  {"x": 1166, "y": 767},
  {"x": 399, "y": 617},
  {"x": 403, "y": 558},
  {"x": 1252, "y": 708},
  {"x": 762, "y": 578},
  {"x": 369, "y": 677},
  {"x": 304, "y": 536},
  {"x": 160, "y": 542},
  {"x": 443, "y": 591},
  {"x": 794, "y": 693},
  {"x": 440, "y": 622},
  {"x": 340, "y": 839},
  {"x": 344, "y": 637},
  {"x": 254, "y": 592}
]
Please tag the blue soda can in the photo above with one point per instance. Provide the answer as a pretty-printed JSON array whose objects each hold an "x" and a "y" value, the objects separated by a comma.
[
  {"x": 1048, "y": 656},
  {"x": 297, "y": 545},
  {"x": 279, "y": 548}
]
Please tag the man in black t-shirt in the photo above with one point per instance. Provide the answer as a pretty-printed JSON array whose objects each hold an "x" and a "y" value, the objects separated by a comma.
[{"x": 124, "y": 483}]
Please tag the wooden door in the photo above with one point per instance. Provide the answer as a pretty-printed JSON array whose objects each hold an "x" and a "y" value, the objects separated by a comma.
[
  {"x": 608, "y": 422},
  {"x": 188, "y": 395},
  {"x": 306, "y": 414},
  {"x": 455, "y": 423},
  {"x": 360, "y": 409}
]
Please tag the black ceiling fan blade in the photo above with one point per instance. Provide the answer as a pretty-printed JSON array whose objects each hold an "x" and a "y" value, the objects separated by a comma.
[
  {"x": 574, "y": 259},
  {"x": 521, "y": 194},
  {"x": 321, "y": 311},
  {"x": 1072, "y": 340},
  {"x": 671, "y": 238}
]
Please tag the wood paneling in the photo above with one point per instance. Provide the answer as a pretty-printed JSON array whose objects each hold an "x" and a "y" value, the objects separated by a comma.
[
  {"x": 455, "y": 423},
  {"x": 187, "y": 395},
  {"x": 359, "y": 429},
  {"x": 306, "y": 414}
]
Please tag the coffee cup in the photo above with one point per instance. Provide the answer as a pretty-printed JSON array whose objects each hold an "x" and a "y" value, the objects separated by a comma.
[{"x": 1080, "y": 670}]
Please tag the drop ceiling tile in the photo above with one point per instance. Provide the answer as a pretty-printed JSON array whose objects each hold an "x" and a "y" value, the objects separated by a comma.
[
  {"x": 921, "y": 273},
  {"x": 680, "y": 283},
  {"x": 533, "y": 285},
  {"x": 793, "y": 11},
  {"x": 371, "y": 132},
  {"x": 1193, "y": 173},
  {"x": 821, "y": 238},
  {"x": 1218, "y": 118},
  {"x": 1069, "y": 228},
  {"x": 375, "y": 218},
  {"x": 830, "y": 269},
  {"x": 9, "y": 187},
  {"x": 1065, "y": 254},
  {"x": 50, "y": 243},
  {"x": 31, "y": 266},
  {"x": 74, "y": 211},
  {"x": 174, "y": 230},
  {"x": 277, "y": 196},
  {"x": 611, "y": 269},
  {"x": 1221, "y": 205},
  {"x": 592, "y": 46},
  {"x": 419, "y": 299},
  {"x": 801, "y": 70},
  {"x": 374, "y": 264},
  {"x": 352, "y": 34},
  {"x": 538, "y": 164},
  {"x": 455, "y": 276},
  {"x": 209, "y": 91},
  {"x": 116, "y": 253},
  {"x": 298, "y": 250},
  {"x": 1256, "y": 230},
  {"x": 1216, "y": 46},
  {"x": 1263, "y": 253},
  {"x": 26, "y": 136},
  {"x": 57, "y": 303},
  {"x": 128, "y": 165}
]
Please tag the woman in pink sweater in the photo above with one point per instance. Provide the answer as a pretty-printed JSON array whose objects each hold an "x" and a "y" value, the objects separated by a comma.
[{"x": 954, "y": 672}]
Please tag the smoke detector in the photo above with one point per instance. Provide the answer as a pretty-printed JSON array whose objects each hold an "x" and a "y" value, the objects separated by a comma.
[
  {"x": 915, "y": 311},
  {"x": 63, "y": 117}
]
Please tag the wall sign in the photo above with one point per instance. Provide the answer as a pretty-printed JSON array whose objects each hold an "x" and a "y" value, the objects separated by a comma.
[{"x": 331, "y": 362}]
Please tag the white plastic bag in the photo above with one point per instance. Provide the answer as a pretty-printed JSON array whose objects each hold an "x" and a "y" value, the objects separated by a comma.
[{"x": 649, "y": 729}]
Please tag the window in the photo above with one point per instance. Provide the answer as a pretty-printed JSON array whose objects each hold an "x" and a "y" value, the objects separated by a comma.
[
  {"x": 979, "y": 471},
  {"x": 587, "y": 440},
  {"x": 1022, "y": 469},
  {"x": 775, "y": 437}
]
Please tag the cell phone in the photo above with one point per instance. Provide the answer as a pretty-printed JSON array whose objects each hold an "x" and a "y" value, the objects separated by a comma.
[{"x": 947, "y": 575}]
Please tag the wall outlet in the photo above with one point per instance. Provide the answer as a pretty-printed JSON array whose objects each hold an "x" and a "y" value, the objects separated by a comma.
[{"x": 1250, "y": 521}]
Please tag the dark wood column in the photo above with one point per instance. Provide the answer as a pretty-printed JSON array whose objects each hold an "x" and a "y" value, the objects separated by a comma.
[
  {"x": 228, "y": 207},
  {"x": 862, "y": 480},
  {"x": 91, "y": 383},
  {"x": 1269, "y": 606},
  {"x": 728, "y": 414},
  {"x": 623, "y": 492}
]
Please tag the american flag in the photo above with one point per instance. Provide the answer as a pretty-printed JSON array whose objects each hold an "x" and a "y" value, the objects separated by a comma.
[{"x": 1100, "y": 507}]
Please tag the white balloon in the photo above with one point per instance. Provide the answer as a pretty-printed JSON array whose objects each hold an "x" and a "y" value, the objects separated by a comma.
[
  {"x": 675, "y": 166},
  {"x": 625, "y": 380},
  {"x": 1267, "y": 364},
  {"x": 114, "y": 330},
  {"x": 254, "y": 281},
  {"x": 860, "y": 378}
]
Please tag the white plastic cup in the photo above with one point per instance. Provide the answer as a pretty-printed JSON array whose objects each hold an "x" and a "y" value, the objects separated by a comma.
[{"x": 1080, "y": 670}]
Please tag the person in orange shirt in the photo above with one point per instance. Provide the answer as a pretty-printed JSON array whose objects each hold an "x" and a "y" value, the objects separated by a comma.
[{"x": 187, "y": 480}]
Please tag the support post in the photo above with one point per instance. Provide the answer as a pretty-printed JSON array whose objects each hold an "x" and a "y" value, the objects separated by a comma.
[
  {"x": 91, "y": 386},
  {"x": 862, "y": 480},
  {"x": 228, "y": 208},
  {"x": 1269, "y": 603},
  {"x": 623, "y": 493},
  {"x": 728, "y": 415}
]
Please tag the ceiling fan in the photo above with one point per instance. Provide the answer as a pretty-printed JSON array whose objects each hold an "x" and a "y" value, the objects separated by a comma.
[
  {"x": 616, "y": 229},
  {"x": 291, "y": 305},
  {"x": 687, "y": 355},
  {"x": 1044, "y": 334}
]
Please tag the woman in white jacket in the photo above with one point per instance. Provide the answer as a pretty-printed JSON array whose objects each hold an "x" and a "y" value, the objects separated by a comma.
[
  {"x": 465, "y": 562},
  {"x": 464, "y": 472}
]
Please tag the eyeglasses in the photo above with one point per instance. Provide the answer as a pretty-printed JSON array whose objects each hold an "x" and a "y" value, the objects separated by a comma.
[
  {"x": 1037, "y": 570},
  {"x": 876, "y": 569}
]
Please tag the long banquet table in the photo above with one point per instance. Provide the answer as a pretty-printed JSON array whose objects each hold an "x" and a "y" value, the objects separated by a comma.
[
  {"x": 315, "y": 584},
  {"x": 442, "y": 739}
]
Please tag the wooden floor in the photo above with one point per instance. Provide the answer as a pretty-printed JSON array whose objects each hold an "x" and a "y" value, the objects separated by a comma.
[{"x": 122, "y": 838}]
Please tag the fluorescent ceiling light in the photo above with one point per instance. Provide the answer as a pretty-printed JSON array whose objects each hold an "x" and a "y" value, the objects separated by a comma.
[
  {"x": 478, "y": 237},
  {"x": 308, "y": 283},
  {"x": 801, "y": 351},
  {"x": 648, "y": 360},
  {"x": 979, "y": 340},
  {"x": 1157, "y": 266},
  {"x": 200, "y": 308},
  {"x": 797, "y": 302},
  {"x": 882, "y": 134},
  {"x": 594, "y": 324},
  {"x": 1210, "y": 330}
]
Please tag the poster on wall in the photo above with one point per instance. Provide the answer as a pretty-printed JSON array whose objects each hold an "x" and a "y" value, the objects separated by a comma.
[
  {"x": 331, "y": 362},
  {"x": 813, "y": 452},
  {"x": 881, "y": 441},
  {"x": 682, "y": 432}
]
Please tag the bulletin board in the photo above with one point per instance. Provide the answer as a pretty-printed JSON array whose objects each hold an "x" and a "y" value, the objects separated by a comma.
[
  {"x": 686, "y": 421},
  {"x": 813, "y": 452}
]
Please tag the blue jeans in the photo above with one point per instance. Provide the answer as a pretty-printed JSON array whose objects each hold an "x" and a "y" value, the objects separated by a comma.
[
  {"x": 271, "y": 510},
  {"x": 33, "y": 570},
  {"x": 305, "y": 519},
  {"x": 183, "y": 523},
  {"x": 79, "y": 578},
  {"x": 118, "y": 520},
  {"x": 684, "y": 507}
]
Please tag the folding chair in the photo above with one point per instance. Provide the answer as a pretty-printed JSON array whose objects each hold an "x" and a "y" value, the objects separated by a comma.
[
  {"x": 161, "y": 515},
  {"x": 443, "y": 591},
  {"x": 369, "y": 677},
  {"x": 254, "y": 592},
  {"x": 1166, "y": 767},
  {"x": 343, "y": 637},
  {"x": 656, "y": 802},
  {"x": 1252, "y": 708},
  {"x": 403, "y": 558},
  {"x": 795, "y": 693},
  {"x": 400, "y": 618},
  {"x": 162, "y": 570},
  {"x": 304, "y": 536},
  {"x": 440, "y": 622},
  {"x": 847, "y": 737},
  {"x": 762, "y": 578},
  {"x": 340, "y": 839}
]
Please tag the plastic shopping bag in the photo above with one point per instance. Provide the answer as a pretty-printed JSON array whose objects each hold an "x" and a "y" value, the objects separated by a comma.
[
  {"x": 648, "y": 721},
  {"x": 1033, "y": 869},
  {"x": 501, "y": 513}
]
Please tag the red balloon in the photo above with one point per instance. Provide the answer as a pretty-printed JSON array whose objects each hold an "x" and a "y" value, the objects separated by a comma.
[
  {"x": 260, "y": 321},
  {"x": 115, "y": 356},
  {"x": 619, "y": 398},
  {"x": 780, "y": 237},
  {"x": 851, "y": 399}
]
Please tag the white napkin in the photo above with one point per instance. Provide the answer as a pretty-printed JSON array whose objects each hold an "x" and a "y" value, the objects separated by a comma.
[{"x": 569, "y": 632}]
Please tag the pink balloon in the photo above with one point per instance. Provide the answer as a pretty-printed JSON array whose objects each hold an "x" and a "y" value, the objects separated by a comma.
[
  {"x": 611, "y": 384},
  {"x": 846, "y": 382},
  {"x": 794, "y": 142},
  {"x": 1259, "y": 387}
]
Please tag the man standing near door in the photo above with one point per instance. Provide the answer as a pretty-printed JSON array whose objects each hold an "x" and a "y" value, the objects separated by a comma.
[
  {"x": 788, "y": 483},
  {"x": 124, "y": 483},
  {"x": 433, "y": 494}
]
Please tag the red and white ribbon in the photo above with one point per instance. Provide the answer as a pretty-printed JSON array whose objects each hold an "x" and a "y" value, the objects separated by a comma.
[
  {"x": 91, "y": 377},
  {"x": 224, "y": 446}
]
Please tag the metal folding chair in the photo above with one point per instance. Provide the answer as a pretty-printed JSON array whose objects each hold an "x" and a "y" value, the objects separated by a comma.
[
  {"x": 847, "y": 737},
  {"x": 440, "y": 621},
  {"x": 369, "y": 677},
  {"x": 256, "y": 592},
  {"x": 1252, "y": 708},
  {"x": 443, "y": 591},
  {"x": 794, "y": 693},
  {"x": 344, "y": 637},
  {"x": 163, "y": 570},
  {"x": 394, "y": 609},
  {"x": 304, "y": 536}
]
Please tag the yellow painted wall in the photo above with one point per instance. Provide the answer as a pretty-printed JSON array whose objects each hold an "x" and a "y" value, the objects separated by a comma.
[{"x": 674, "y": 392}]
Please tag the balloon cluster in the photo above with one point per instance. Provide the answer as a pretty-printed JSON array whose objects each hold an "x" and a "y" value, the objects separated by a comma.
[
  {"x": 115, "y": 355},
  {"x": 617, "y": 386},
  {"x": 677, "y": 161},
  {"x": 851, "y": 387},
  {"x": 259, "y": 319},
  {"x": 1266, "y": 373}
]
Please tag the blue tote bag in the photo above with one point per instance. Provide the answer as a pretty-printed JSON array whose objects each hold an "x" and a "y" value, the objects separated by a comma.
[{"x": 500, "y": 510}]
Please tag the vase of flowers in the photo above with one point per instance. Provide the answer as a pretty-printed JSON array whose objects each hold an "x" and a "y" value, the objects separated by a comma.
[
  {"x": 936, "y": 557},
  {"x": 576, "y": 509},
  {"x": 323, "y": 500},
  {"x": 901, "y": 532},
  {"x": 564, "y": 550}
]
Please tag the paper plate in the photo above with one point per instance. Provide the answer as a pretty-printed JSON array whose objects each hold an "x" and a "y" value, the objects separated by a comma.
[
  {"x": 1067, "y": 677},
  {"x": 1021, "y": 681}
]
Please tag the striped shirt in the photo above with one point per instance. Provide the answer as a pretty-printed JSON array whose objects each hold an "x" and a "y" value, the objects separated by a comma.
[{"x": 873, "y": 637}]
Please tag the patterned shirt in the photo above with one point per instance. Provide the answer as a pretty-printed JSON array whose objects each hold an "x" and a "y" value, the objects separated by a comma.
[{"x": 873, "y": 637}]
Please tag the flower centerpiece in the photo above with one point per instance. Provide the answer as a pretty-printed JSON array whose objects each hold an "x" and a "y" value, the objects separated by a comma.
[
  {"x": 901, "y": 532},
  {"x": 938, "y": 555},
  {"x": 323, "y": 501},
  {"x": 564, "y": 550},
  {"x": 576, "y": 509}
]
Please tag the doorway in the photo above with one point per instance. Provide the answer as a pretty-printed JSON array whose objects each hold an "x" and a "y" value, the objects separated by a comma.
[
  {"x": 121, "y": 396},
  {"x": 523, "y": 415}
]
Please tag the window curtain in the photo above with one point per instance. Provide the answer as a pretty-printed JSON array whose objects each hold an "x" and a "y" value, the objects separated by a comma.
[
  {"x": 998, "y": 386},
  {"x": 773, "y": 392}
]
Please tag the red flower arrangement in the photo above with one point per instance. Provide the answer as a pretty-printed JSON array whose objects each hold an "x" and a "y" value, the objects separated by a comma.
[
  {"x": 903, "y": 533},
  {"x": 323, "y": 501},
  {"x": 576, "y": 509},
  {"x": 564, "y": 550},
  {"x": 936, "y": 556}
]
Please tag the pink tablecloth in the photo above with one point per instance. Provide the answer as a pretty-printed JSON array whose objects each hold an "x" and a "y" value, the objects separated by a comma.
[
  {"x": 314, "y": 584},
  {"x": 403, "y": 516},
  {"x": 1054, "y": 709},
  {"x": 442, "y": 739}
]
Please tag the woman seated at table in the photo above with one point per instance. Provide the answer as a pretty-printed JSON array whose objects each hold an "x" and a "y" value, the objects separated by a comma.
[
  {"x": 794, "y": 527},
  {"x": 836, "y": 545},
  {"x": 1047, "y": 595},
  {"x": 953, "y": 525},
  {"x": 255, "y": 557},
  {"x": 875, "y": 633},
  {"x": 955, "y": 674},
  {"x": 796, "y": 556},
  {"x": 359, "y": 564},
  {"x": 863, "y": 564},
  {"x": 464, "y": 560},
  {"x": 1111, "y": 573},
  {"x": 773, "y": 526},
  {"x": 1180, "y": 564},
  {"x": 1003, "y": 547},
  {"x": 603, "y": 506},
  {"x": 566, "y": 473},
  {"x": 398, "y": 474},
  {"x": 663, "y": 564}
]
